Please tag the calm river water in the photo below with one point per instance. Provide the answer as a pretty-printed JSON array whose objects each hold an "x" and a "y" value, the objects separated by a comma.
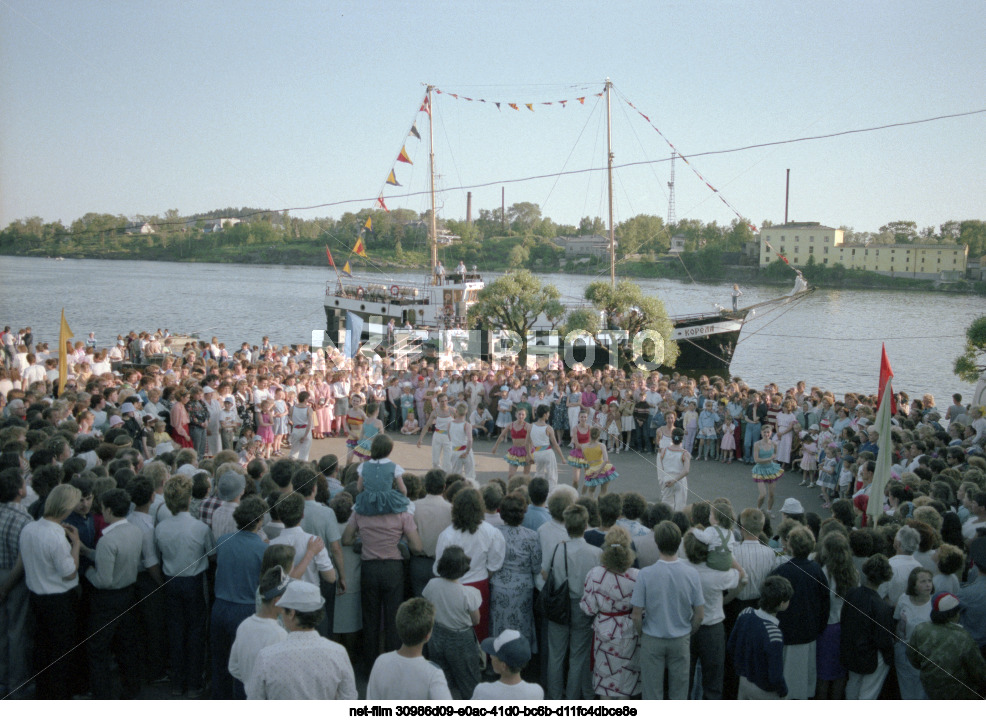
[{"x": 832, "y": 339}]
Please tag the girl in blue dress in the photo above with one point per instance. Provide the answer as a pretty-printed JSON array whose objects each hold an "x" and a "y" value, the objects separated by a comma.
[
  {"x": 380, "y": 489},
  {"x": 767, "y": 470}
]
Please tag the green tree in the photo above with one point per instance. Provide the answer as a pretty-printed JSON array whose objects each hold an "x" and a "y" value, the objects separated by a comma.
[
  {"x": 513, "y": 302},
  {"x": 519, "y": 255},
  {"x": 901, "y": 231},
  {"x": 973, "y": 234},
  {"x": 971, "y": 365},
  {"x": 627, "y": 308},
  {"x": 592, "y": 226},
  {"x": 582, "y": 319},
  {"x": 643, "y": 232},
  {"x": 523, "y": 216}
]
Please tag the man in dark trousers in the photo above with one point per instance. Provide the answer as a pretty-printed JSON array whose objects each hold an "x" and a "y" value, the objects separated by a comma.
[{"x": 806, "y": 617}]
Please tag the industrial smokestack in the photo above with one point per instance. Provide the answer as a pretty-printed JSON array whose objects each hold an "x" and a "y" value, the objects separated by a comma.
[{"x": 787, "y": 192}]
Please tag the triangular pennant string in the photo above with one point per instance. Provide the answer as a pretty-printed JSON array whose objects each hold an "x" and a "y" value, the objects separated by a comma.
[
  {"x": 404, "y": 158},
  {"x": 530, "y": 106},
  {"x": 392, "y": 179},
  {"x": 513, "y": 105},
  {"x": 414, "y": 131},
  {"x": 697, "y": 173}
]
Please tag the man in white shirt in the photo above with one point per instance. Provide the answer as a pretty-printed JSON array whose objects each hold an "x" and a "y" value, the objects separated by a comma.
[
  {"x": 906, "y": 542},
  {"x": 50, "y": 551},
  {"x": 432, "y": 515},
  {"x": 304, "y": 666},
  {"x": 291, "y": 509},
  {"x": 34, "y": 373}
]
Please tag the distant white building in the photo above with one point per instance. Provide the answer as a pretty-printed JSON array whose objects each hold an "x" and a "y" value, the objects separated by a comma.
[
  {"x": 139, "y": 228},
  {"x": 583, "y": 245},
  {"x": 677, "y": 245},
  {"x": 220, "y": 224}
]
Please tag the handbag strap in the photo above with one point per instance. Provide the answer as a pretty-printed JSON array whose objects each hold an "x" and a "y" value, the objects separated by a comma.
[{"x": 551, "y": 566}]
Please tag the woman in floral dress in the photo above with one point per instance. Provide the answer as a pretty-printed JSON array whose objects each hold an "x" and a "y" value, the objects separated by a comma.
[
  {"x": 615, "y": 643},
  {"x": 512, "y": 587}
]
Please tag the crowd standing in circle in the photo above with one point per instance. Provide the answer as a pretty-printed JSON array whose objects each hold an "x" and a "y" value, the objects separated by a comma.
[{"x": 163, "y": 524}]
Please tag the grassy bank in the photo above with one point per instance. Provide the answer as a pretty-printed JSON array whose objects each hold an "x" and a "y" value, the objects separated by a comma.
[{"x": 498, "y": 255}]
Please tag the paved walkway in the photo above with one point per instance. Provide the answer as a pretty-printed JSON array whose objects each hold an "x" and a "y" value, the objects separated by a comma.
[{"x": 707, "y": 480}]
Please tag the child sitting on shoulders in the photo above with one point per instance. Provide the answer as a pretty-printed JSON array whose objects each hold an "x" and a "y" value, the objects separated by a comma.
[
  {"x": 453, "y": 644},
  {"x": 718, "y": 534},
  {"x": 380, "y": 487},
  {"x": 410, "y": 426},
  {"x": 509, "y": 653},
  {"x": 405, "y": 674}
]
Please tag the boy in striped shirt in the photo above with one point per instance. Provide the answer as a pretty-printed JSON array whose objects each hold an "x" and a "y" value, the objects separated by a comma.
[{"x": 757, "y": 644}]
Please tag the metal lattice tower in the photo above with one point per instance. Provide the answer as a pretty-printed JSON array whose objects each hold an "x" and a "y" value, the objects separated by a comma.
[{"x": 671, "y": 212}]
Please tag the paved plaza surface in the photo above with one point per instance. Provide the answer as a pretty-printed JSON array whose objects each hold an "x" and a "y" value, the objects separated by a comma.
[{"x": 706, "y": 481}]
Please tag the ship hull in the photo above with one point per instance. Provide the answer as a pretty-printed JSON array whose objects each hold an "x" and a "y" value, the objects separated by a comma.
[{"x": 706, "y": 342}]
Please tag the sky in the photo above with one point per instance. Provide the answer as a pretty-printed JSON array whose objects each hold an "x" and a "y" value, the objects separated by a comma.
[{"x": 136, "y": 108}]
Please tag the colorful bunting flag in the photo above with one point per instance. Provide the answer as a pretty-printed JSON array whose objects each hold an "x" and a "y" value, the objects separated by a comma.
[
  {"x": 382, "y": 204},
  {"x": 403, "y": 157},
  {"x": 368, "y": 224},
  {"x": 530, "y": 106},
  {"x": 329, "y": 253},
  {"x": 426, "y": 105},
  {"x": 346, "y": 270},
  {"x": 359, "y": 249},
  {"x": 414, "y": 131},
  {"x": 513, "y": 105},
  {"x": 392, "y": 179},
  {"x": 581, "y": 100},
  {"x": 497, "y": 105}
]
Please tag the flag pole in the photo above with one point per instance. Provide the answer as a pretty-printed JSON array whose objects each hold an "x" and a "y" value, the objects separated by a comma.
[{"x": 884, "y": 458}]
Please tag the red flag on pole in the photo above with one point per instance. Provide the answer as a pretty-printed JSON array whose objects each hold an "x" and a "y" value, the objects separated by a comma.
[
  {"x": 886, "y": 375},
  {"x": 329, "y": 253}
]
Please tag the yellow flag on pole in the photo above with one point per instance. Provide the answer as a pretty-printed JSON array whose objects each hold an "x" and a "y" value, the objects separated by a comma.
[{"x": 64, "y": 336}]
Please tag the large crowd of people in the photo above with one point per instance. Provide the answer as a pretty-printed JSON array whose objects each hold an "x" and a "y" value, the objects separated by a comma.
[{"x": 163, "y": 526}]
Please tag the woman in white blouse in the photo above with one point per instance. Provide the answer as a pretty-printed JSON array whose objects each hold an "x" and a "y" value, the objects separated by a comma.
[{"x": 482, "y": 543}]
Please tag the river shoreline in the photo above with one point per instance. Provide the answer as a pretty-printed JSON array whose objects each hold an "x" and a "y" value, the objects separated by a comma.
[{"x": 742, "y": 274}]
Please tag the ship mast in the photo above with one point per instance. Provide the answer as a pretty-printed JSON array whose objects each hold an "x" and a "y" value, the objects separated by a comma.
[
  {"x": 609, "y": 175},
  {"x": 433, "y": 228}
]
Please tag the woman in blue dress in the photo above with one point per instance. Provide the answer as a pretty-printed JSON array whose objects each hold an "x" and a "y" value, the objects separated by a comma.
[
  {"x": 512, "y": 586},
  {"x": 767, "y": 470}
]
